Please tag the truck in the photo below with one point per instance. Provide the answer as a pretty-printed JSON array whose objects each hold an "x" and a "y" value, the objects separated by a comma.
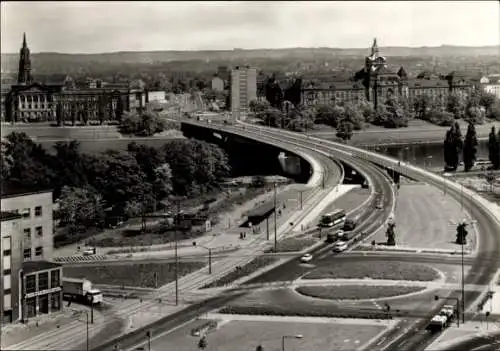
[
  {"x": 449, "y": 312},
  {"x": 438, "y": 323},
  {"x": 80, "y": 289}
]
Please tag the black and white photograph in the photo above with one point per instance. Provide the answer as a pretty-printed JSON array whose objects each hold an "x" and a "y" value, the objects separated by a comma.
[{"x": 250, "y": 175}]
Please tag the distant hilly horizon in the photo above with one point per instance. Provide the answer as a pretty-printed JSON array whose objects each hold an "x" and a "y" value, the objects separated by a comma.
[
  {"x": 9, "y": 61},
  {"x": 382, "y": 48}
]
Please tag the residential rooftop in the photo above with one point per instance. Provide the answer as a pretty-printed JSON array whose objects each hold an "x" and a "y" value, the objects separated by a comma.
[
  {"x": 37, "y": 266},
  {"x": 8, "y": 190}
]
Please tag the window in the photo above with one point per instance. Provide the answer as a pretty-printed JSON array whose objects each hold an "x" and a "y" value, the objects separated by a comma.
[
  {"x": 6, "y": 271},
  {"x": 39, "y": 231},
  {"x": 6, "y": 252},
  {"x": 43, "y": 281},
  {"x": 39, "y": 251},
  {"x": 26, "y": 213},
  {"x": 27, "y": 233},
  {"x": 7, "y": 292},
  {"x": 30, "y": 283},
  {"x": 38, "y": 211},
  {"x": 27, "y": 254},
  {"x": 55, "y": 302},
  {"x": 55, "y": 279}
]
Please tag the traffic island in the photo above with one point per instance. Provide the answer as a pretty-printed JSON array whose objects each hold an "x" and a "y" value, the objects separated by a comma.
[
  {"x": 356, "y": 292},
  {"x": 375, "y": 270},
  {"x": 147, "y": 275}
]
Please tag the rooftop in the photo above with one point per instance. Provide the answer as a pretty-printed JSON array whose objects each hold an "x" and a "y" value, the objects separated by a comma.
[
  {"x": 8, "y": 216},
  {"x": 8, "y": 190},
  {"x": 36, "y": 266}
]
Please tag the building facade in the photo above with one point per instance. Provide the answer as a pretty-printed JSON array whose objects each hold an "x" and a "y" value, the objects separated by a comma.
[
  {"x": 11, "y": 259},
  {"x": 31, "y": 101},
  {"x": 243, "y": 90},
  {"x": 217, "y": 84},
  {"x": 376, "y": 83},
  {"x": 41, "y": 289},
  {"x": 35, "y": 208},
  {"x": 491, "y": 84}
]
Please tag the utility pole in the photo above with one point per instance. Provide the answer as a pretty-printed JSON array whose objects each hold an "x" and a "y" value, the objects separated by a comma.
[
  {"x": 301, "y": 200},
  {"x": 92, "y": 312},
  {"x": 210, "y": 261},
  {"x": 463, "y": 286},
  {"x": 275, "y": 222},
  {"x": 87, "y": 331},
  {"x": 267, "y": 227},
  {"x": 176, "y": 256}
]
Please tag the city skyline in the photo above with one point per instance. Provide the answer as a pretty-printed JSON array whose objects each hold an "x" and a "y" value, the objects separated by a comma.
[{"x": 93, "y": 27}]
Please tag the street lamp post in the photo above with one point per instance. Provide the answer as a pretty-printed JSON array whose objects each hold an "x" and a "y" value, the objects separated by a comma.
[
  {"x": 209, "y": 258},
  {"x": 87, "y": 343},
  {"x": 300, "y": 199},
  {"x": 275, "y": 222},
  {"x": 298, "y": 336}
]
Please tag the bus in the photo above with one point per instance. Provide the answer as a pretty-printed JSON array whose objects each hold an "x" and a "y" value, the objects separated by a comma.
[{"x": 334, "y": 218}]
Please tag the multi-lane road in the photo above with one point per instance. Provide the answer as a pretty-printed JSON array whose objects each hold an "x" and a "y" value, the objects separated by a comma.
[{"x": 482, "y": 269}]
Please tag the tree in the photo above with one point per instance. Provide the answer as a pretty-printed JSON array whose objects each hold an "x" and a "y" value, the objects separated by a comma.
[
  {"x": 147, "y": 123},
  {"x": 79, "y": 206},
  {"x": 354, "y": 115},
  {"x": 345, "y": 130},
  {"x": 440, "y": 118},
  {"x": 6, "y": 161},
  {"x": 271, "y": 117},
  {"x": 69, "y": 165},
  {"x": 453, "y": 146},
  {"x": 366, "y": 109},
  {"x": 486, "y": 99},
  {"x": 475, "y": 114},
  {"x": 422, "y": 104},
  {"x": 391, "y": 234},
  {"x": 493, "y": 111},
  {"x": 328, "y": 114},
  {"x": 31, "y": 166},
  {"x": 259, "y": 348},
  {"x": 455, "y": 106},
  {"x": 258, "y": 181},
  {"x": 257, "y": 106},
  {"x": 494, "y": 149},
  {"x": 395, "y": 116},
  {"x": 470, "y": 147},
  {"x": 162, "y": 185},
  {"x": 119, "y": 178}
]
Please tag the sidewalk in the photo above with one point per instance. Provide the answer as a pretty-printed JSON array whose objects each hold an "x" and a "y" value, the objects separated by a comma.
[
  {"x": 220, "y": 234},
  {"x": 454, "y": 335}
]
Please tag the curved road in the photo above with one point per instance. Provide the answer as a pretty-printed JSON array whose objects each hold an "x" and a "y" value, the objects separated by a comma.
[
  {"x": 71, "y": 334},
  {"x": 483, "y": 268}
]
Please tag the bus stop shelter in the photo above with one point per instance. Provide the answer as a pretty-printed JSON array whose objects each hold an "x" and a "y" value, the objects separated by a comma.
[{"x": 257, "y": 215}]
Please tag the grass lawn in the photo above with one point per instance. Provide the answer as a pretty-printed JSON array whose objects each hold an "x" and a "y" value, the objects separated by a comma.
[
  {"x": 375, "y": 270},
  {"x": 293, "y": 244},
  {"x": 247, "y": 335},
  {"x": 254, "y": 265},
  {"x": 356, "y": 292},
  {"x": 287, "y": 302},
  {"x": 141, "y": 275},
  {"x": 157, "y": 234}
]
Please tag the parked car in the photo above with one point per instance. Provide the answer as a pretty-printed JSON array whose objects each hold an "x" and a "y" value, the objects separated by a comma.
[
  {"x": 89, "y": 252},
  {"x": 340, "y": 246},
  {"x": 306, "y": 258}
]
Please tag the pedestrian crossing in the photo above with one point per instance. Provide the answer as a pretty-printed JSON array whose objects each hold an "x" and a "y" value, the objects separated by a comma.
[{"x": 74, "y": 259}]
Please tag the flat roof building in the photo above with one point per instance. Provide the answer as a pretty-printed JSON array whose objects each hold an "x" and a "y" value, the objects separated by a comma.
[{"x": 35, "y": 207}]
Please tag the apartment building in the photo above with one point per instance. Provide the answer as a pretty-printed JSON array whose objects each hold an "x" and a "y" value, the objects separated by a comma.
[
  {"x": 35, "y": 208},
  {"x": 11, "y": 260},
  {"x": 31, "y": 285},
  {"x": 243, "y": 90}
]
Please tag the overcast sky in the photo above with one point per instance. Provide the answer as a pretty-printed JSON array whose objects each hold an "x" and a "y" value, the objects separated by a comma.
[{"x": 92, "y": 27}]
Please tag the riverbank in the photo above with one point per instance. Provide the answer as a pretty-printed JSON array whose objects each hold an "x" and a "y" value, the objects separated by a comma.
[{"x": 417, "y": 132}]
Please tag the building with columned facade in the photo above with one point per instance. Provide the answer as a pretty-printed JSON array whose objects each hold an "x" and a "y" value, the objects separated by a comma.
[
  {"x": 376, "y": 83},
  {"x": 30, "y": 101}
]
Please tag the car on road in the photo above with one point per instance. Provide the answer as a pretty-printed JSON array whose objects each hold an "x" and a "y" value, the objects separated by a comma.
[
  {"x": 437, "y": 323},
  {"x": 336, "y": 235},
  {"x": 89, "y": 252},
  {"x": 340, "y": 246},
  {"x": 379, "y": 206},
  {"x": 349, "y": 224},
  {"x": 306, "y": 258}
]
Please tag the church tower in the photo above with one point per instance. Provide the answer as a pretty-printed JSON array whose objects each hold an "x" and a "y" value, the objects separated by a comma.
[{"x": 24, "y": 73}]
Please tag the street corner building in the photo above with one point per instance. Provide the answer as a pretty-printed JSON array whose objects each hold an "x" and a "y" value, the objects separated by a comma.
[
  {"x": 65, "y": 101},
  {"x": 31, "y": 285}
]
